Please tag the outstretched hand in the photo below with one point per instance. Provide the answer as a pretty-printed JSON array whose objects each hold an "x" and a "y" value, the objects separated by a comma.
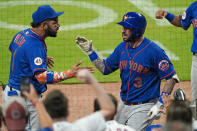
[{"x": 77, "y": 67}]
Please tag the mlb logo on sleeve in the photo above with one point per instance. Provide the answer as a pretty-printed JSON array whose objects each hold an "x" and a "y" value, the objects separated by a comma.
[{"x": 38, "y": 61}]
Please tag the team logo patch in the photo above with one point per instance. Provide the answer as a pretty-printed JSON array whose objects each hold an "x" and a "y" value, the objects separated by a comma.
[
  {"x": 164, "y": 65},
  {"x": 38, "y": 61},
  {"x": 183, "y": 15},
  {"x": 125, "y": 17}
]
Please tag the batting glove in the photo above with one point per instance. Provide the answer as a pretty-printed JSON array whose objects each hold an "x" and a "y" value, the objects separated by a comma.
[
  {"x": 85, "y": 44},
  {"x": 154, "y": 112}
]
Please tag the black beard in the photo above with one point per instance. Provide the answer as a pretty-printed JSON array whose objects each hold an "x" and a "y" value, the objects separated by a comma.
[
  {"x": 130, "y": 39},
  {"x": 50, "y": 32}
]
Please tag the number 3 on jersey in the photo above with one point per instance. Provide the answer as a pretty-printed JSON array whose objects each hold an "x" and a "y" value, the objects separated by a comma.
[{"x": 137, "y": 82}]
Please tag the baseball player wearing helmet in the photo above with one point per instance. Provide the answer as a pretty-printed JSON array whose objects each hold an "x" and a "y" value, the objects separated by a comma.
[
  {"x": 185, "y": 20},
  {"x": 29, "y": 59},
  {"x": 143, "y": 64}
]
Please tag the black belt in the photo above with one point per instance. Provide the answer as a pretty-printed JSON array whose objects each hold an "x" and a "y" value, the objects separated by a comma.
[
  {"x": 194, "y": 53},
  {"x": 137, "y": 103}
]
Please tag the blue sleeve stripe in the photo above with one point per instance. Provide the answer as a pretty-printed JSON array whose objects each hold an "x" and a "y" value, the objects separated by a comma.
[
  {"x": 93, "y": 56},
  {"x": 50, "y": 75}
]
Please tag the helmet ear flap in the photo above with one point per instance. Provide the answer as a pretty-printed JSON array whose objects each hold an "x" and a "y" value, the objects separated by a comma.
[{"x": 136, "y": 34}]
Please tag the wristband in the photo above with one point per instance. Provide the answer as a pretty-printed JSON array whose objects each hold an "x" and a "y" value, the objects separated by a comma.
[
  {"x": 68, "y": 74},
  {"x": 169, "y": 17},
  {"x": 160, "y": 98},
  {"x": 93, "y": 56},
  {"x": 50, "y": 75}
]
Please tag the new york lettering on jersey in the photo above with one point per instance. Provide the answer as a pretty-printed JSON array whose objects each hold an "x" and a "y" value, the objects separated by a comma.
[
  {"x": 134, "y": 66},
  {"x": 139, "y": 71}
]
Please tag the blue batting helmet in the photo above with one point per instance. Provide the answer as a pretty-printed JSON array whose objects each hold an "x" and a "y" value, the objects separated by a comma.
[{"x": 135, "y": 21}]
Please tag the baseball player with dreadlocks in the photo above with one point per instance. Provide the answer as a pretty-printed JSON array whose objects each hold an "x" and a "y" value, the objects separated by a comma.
[{"x": 143, "y": 65}]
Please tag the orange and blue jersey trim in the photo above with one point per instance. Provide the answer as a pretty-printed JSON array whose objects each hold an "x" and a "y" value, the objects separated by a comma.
[
  {"x": 39, "y": 69},
  {"x": 36, "y": 38},
  {"x": 108, "y": 66},
  {"x": 167, "y": 75}
]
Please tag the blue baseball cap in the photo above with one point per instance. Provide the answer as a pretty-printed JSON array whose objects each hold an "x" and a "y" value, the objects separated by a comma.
[{"x": 44, "y": 12}]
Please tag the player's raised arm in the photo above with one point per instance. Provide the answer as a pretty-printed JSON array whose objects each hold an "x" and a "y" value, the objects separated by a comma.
[
  {"x": 173, "y": 19},
  {"x": 86, "y": 46}
]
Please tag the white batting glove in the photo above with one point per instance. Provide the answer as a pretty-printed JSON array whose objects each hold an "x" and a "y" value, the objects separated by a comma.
[
  {"x": 155, "y": 111},
  {"x": 84, "y": 44}
]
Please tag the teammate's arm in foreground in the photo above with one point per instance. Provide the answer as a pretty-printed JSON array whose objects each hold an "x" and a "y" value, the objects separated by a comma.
[{"x": 107, "y": 107}]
